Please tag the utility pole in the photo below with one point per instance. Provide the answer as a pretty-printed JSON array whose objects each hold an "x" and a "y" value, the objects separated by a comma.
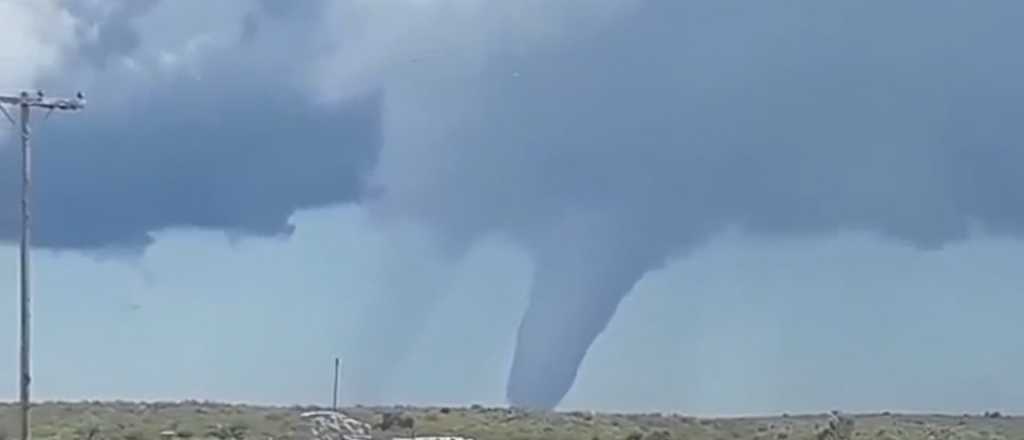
[
  {"x": 25, "y": 102},
  {"x": 334, "y": 401}
]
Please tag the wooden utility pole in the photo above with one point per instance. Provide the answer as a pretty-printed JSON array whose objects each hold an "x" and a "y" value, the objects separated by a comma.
[{"x": 25, "y": 102}]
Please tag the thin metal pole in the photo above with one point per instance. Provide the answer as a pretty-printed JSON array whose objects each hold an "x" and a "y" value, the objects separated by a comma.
[
  {"x": 337, "y": 366},
  {"x": 26, "y": 187}
]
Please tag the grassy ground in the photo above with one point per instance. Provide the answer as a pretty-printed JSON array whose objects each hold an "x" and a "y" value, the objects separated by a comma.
[{"x": 139, "y": 421}]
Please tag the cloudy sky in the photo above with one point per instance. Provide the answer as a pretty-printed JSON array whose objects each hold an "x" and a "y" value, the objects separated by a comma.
[{"x": 714, "y": 207}]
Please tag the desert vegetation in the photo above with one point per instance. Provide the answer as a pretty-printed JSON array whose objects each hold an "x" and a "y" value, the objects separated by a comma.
[{"x": 201, "y": 420}]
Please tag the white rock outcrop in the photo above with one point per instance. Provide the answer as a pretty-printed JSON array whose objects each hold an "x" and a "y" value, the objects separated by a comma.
[{"x": 332, "y": 425}]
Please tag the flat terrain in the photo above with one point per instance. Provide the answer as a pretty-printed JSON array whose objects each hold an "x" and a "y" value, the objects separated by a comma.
[{"x": 139, "y": 421}]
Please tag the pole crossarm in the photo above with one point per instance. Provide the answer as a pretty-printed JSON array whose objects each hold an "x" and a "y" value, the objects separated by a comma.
[{"x": 39, "y": 100}]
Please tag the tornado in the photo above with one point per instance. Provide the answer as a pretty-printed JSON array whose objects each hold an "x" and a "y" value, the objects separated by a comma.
[{"x": 577, "y": 287}]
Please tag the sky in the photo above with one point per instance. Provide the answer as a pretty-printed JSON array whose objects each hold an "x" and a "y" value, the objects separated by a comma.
[{"x": 694, "y": 206}]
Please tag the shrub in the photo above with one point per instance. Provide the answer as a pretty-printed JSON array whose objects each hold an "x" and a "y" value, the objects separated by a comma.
[
  {"x": 134, "y": 435},
  {"x": 659, "y": 435},
  {"x": 88, "y": 433},
  {"x": 839, "y": 428},
  {"x": 233, "y": 431},
  {"x": 392, "y": 420}
]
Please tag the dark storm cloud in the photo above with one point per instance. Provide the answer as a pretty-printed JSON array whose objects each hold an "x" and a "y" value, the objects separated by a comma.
[
  {"x": 222, "y": 140},
  {"x": 606, "y": 150},
  {"x": 285, "y": 10},
  {"x": 608, "y": 154},
  {"x": 109, "y": 31},
  {"x": 252, "y": 23},
  {"x": 235, "y": 159}
]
